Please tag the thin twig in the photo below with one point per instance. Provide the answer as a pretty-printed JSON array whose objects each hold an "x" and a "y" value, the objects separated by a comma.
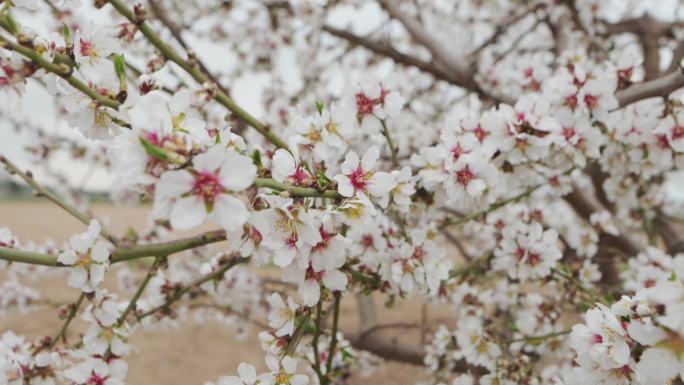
[
  {"x": 59, "y": 201},
  {"x": 70, "y": 317}
]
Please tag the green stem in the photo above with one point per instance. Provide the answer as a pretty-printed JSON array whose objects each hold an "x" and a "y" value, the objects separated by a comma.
[
  {"x": 172, "y": 55},
  {"x": 59, "y": 201},
  {"x": 218, "y": 274},
  {"x": 64, "y": 71},
  {"x": 306, "y": 192},
  {"x": 317, "y": 333},
  {"x": 296, "y": 336},
  {"x": 541, "y": 337},
  {"x": 121, "y": 254},
  {"x": 495, "y": 206},
  {"x": 491, "y": 208},
  {"x": 333, "y": 341},
  {"x": 70, "y": 317},
  {"x": 131, "y": 305},
  {"x": 390, "y": 142},
  {"x": 167, "y": 248}
]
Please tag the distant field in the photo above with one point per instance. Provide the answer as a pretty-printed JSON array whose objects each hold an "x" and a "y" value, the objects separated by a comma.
[{"x": 192, "y": 353}]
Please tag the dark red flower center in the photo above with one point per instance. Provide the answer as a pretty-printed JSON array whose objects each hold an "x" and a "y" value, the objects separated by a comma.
[
  {"x": 480, "y": 133},
  {"x": 208, "y": 186},
  {"x": 591, "y": 101},
  {"x": 677, "y": 132},
  {"x": 464, "y": 176},
  {"x": 86, "y": 47},
  {"x": 359, "y": 179}
]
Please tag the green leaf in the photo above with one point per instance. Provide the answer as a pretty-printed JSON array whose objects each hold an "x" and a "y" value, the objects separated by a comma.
[
  {"x": 7, "y": 21},
  {"x": 256, "y": 158},
  {"x": 66, "y": 32},
  {"x": 159, "y": 153},
  {"x": 321, "y": 180}
]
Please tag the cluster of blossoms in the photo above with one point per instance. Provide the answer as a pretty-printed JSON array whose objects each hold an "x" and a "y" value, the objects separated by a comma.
[{"x": 542, "y": 194}]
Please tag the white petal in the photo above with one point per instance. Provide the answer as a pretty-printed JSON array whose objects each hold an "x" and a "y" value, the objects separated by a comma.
[
  {"x": 476, "y": 187},
  {"x": 230, "y": 212},
  {"x": 370, "y": 157},
  {"x": 100, "y": 251},
  {"x": 187, "y": 213},
  {"x": 382, "y": 183},
  {"x": 283, "y": 165},
  {"x": 351, "y": 163},
  {"x": 289, "y": 364},
  {"x": 173, "y": 184},
  {"x": 247, "y": 373},
  {"x": 68, "y": 257},
  {"x": 335, "y": 280},
  {"x": 211, "y": 160},
  {"x": 238, "y": 172},
  {"x": 310, "y": 292},
  {"x": 344, "y": 186},
  {"x": 78, "y": 278}
]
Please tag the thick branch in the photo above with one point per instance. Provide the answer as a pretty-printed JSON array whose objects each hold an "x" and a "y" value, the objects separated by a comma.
[
  {"x": 388, "y": 51},
  {"x": 441, "y": 54},
  {"x": 304, "y": 192},
  {"x": 659, "y": 87}
]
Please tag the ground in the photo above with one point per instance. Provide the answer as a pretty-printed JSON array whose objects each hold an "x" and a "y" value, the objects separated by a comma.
[{"x": 192, "y": 353}]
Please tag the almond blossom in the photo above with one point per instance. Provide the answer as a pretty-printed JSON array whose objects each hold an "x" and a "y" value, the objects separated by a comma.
[
  {"x": 190, "y": 196},
  {"x": 88, "y": 256},
  {"x": 358, "y": 177}
]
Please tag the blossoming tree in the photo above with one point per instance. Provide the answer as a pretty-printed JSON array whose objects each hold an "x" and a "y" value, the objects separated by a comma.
[{"x": 507, "y": 160}]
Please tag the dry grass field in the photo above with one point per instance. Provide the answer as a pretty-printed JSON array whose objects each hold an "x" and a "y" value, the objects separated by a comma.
[{"x": 192, "y": 353}]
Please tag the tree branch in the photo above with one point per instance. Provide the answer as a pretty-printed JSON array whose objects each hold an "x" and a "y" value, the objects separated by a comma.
[
  {"x": 659, "y": 87},
  {"x": 56, "y": 199},
  {"x": 196, "y": 73},
  {"x": 388, "y": 51}
]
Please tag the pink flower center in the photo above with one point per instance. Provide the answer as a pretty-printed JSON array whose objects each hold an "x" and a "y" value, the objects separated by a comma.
[
  {"x": 571, "y": 101},
  {"x": 208, "y": 186},
  {"x": 300, "y": 175},
  {"x": 529, "y": 71},
  {"x": 457, "y": 151},
  {"x": 312, "y": 274},
  {"x": 364, "y": 104},
  {"x": 95, "y": 379},
  {"x": 663, "y": 143},
  {"x": 480, "y": 133},
  {"x": 520, "y": 253},
  {"x": 86, "y": 48},
  {"x": 291, "y": 241},
  {"x": 677, "y": 132},
  {"x": 591, "y": 101},
  {"x": 325, "y": 240},
  {"x": 464, "y": 176},
  {"x": 256, "y": 235},
  {"x": 367, "y": 241},
  {"x": 597, "y": 338},
  {"x": 9, "y": 71},
  {"x": 359, "y": 179},
  {"x": 533, "y": 259},
  {"x": 569, "y": 132}
]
